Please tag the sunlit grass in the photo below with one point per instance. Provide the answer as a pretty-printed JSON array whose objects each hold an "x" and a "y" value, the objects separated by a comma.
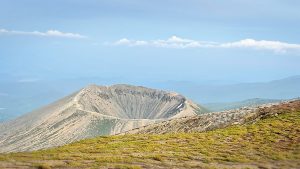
[{"x": 270, "y": 141}]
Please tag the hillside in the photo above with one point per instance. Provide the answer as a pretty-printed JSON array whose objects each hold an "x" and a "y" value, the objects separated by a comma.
[
  {"x": 215, "y": 120},
  {"x": 271, "y": 142},
  {"x": 93, "y": 111}
]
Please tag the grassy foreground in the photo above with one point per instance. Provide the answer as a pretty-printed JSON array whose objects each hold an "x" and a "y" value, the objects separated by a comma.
[{"x": 271, "y": 142}]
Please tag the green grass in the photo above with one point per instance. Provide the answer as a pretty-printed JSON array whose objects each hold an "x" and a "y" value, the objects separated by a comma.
[{"x": 274, "y": 141}]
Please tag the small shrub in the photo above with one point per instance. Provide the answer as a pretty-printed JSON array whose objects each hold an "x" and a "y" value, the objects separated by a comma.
[
  {"x": 43, "y": 166},
  {"x": 157, "y": 158}
]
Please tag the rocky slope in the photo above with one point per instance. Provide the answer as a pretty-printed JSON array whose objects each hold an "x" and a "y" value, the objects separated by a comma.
[
  {"x": 93, "y": 111},
  {"x": 211, "y": 121}
]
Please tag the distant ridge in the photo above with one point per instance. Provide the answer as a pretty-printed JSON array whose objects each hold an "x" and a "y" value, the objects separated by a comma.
[
  {"x": 282, "y": 89},
  {"x": 235, "y": 105}
]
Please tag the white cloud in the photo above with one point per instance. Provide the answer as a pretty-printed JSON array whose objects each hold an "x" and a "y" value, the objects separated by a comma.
[
  {"x": 172, "y": 42},
  {"x": 177, "y": 42},
  {"x": 127, "y": 42},
  {"x": 49, "y": 33},
  {"x": 276, "y": 46}
]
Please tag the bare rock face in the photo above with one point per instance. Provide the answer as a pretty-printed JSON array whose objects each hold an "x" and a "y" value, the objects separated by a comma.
[
  {"x": 93, "y": 111},
  {"x": 130, "y": 102}
]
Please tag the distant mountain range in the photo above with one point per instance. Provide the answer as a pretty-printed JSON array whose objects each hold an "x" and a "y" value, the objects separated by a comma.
[
  {"x": 234, "y": 105},
  {"x": 287, "y": 88}
]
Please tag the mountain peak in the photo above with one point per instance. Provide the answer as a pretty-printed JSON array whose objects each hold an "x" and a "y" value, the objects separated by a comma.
[
  {"x": 132, "y": 102},
  {"x": 93, "y": 111}
]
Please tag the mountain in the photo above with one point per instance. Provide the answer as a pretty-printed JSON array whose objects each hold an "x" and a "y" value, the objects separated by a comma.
[
  {"x": 270, "y": 141},
  {"x": 235, "y": 105},
  {"x": 93, "y": 111},
  {"x": 216, "y": 120}
]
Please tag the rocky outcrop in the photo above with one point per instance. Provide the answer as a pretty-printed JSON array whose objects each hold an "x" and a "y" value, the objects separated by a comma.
[
  {"x": 93, "y": 111},
  {"x": 211, "y": 121}
]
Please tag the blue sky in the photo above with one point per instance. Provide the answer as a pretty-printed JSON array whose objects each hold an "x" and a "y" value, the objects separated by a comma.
[{"x": 150, "y": 41}]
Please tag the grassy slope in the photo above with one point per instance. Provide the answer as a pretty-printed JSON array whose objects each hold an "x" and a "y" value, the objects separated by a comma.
[{"x": 271, "y": 142}]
